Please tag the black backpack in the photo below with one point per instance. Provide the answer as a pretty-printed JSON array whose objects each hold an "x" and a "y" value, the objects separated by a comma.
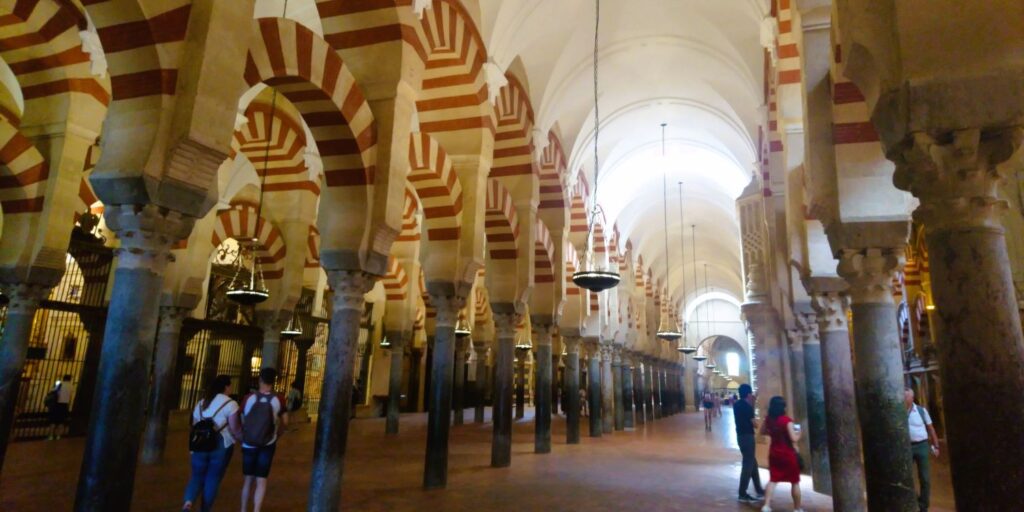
[
  {"x": 53, "y": 397},
  {"x": 205, "y": 436},
  {"x": 259, "y": 425}
]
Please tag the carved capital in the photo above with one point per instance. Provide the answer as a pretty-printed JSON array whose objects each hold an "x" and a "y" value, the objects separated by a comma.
[
  {"x": 808, "y": 323},
  {"x": 542, "y": 332},
  {"x": 146, "y": 233},
  {"x": 505, "y": 324},
  {"x": 448, "y": 307},
  {"x": 572, "y": 344},
  {"x": 617, "y": 356},
  {"x": 957, "y": 180},
  {"x": 24, "y": 298},
  {"x": 870, "y": 273},
  {"x": 831, "y": 311},
  {"x": 349, "y": 287},
  {"x": 606, "y": 351},
  {"x": 171, "y": 318}
]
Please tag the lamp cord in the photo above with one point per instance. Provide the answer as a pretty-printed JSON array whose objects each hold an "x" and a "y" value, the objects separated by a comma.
[
  {"x": 597, "y": 118},
  {"x": 664, "y": 210}
]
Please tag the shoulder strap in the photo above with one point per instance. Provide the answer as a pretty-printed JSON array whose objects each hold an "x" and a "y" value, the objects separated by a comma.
[{"x": 921, "y": 414}]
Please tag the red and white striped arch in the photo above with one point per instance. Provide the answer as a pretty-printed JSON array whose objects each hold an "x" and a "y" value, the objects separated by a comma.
[
  {"x": 410, "y": 225},
  {"x": 274, "y": 140},
  {"x": 571, "y": 264},
  {"x": 454, "y": 95},
  {"x": 578, "y": 207},
  {"x": 513, "y": 151},
  {"x": 544, "y": 252},
  {"x": 349, "y": 24},
  {"x": 305, "y": 69},
  {"x": 23, "y": 174},
  {"x": 241, "y": 223},
  {"x": 313, "y": 248},
  {"x": 552, "y": 173},
  {"x": 437, "y": 186},
  {"x": 501, "y": 225},
  {"x": 396, "y": 281},
  {"x": 481, "y": 306}
]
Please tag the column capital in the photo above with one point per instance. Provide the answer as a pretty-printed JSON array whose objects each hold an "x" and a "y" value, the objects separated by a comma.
[
  {"x": 956, "y": 178},
  {"x": 24, "y": 297},
  {"x": 606, "y": 351},
  {"x": 480, "y": 347},
  {"x": 831, "y": 309},
  {"x": 505, "y": 320},
  {"x": 572, "y": 344},
  {"x": 543, "y": 327},
  {"x": 870, "y": 273},
  {"x": 808, "y": 322},
  {"x": 397, "y": 339},
  {"x": 146, "y": 234},
  {"x": 349, "y": 286},
  {"x": 171, "y": 318}
]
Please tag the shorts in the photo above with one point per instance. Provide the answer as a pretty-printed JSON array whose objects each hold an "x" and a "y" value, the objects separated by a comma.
[
  {"x": 256, "y": 461},
  {"x": 708, "y": 405},
  {"x": 58, "y": 414}
]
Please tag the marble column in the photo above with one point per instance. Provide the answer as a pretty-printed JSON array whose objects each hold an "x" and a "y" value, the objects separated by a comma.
[
  {"x": 542, "y": 327},
  {"x": 271, "y": 322},
  {"x": 332, "y": 423},
  {"x": 111, "y": 452},
  {"x": 879, "y": 377},
  {"x": 594, "y": 388},
  {"x": 980, "y": 343},
  {"x": 844, "y": 447},
  {"x": 521, "y": 354},
  {"x": 459, "y": 387},
  {"x": 501, "y": 410},
  {"x": 656, "y": 381},
  {"x": 480, "y": 348},
  {"x": 620, "y": 411},
  {"x": 817, "y": 430},
  {"x": 94, "y": 323},
  {"x": 682, "y": 386},
  {"x": 640, "y": 384},
  {"x": 168, "y": 340},
  {"x": 21, "y": 310},
  {"x": 398, "y": 341},
  {"x": 571, "y": 381},
  {"x": 556, "y": 398},
  {"x": 651, "y": 393},
  {"x": 798, "y": 399},
  {"x": 607, "y": 390},
  {"x": 627, "y": 391},
  {"x": 447, "y": 303}
]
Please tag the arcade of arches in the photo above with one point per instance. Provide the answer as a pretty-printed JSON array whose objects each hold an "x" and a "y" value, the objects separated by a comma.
[{"x": 823, "y": 196}]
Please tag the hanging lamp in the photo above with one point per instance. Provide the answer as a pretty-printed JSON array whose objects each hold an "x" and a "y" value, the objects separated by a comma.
[
  {"x": 710, "y": 365},
  {"x": 685, "y": 346},
  {"x": 592, "y": 275},
  {"x": 462, "y": 327},
  {"x": 292, "y": 330},
  {"x": 666, "y": 330},
  {"x": 255, "y": 291},
  {"x": 700, "y": 357},
  {"x": 385, "y": 342}
]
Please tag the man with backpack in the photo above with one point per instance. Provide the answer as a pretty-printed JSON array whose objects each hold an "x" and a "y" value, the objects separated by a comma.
[
  {"x": 261, "y": 421},
  {"x": 921, "y": 432}
]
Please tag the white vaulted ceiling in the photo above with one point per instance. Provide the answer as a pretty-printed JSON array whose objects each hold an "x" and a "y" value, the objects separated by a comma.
[{"x": 696, "y": 65}]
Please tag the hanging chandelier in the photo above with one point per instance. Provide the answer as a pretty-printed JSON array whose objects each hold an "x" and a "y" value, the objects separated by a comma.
[
  {"x": 255, "y": 291},
  {"x": 593, "y": 275},
  {"x": 700, "y": 357},
  {"x": 462, "y": 327},
  {"x": 710, "y": 365},
  {"x": 666, "y": 328},
  {"x": 385, "y": 342},
  {"x": 292, "y": 330}
]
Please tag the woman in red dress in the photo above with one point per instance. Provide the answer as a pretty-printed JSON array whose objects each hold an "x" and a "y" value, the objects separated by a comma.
[{"x": 783, "y": 465}]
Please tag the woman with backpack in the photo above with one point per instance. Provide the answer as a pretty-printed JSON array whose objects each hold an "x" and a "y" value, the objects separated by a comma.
[{"x": 210, "y": 442}]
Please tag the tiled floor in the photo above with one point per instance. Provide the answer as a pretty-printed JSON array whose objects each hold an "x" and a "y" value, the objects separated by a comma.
[{"x": 670, "y": 465}]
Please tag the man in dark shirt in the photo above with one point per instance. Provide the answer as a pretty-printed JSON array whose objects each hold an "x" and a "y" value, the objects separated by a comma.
[{"x": 743, "y": 414}]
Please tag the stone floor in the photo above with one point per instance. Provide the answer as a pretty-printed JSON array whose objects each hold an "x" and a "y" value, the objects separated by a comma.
[{"x": 670, "y": 465}]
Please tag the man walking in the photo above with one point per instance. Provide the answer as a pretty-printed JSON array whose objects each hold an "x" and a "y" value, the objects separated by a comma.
[
  {"x": 921, "y": 432},
  {"x": 743, "y": 414},
  {"x": 259, "y": 423}
]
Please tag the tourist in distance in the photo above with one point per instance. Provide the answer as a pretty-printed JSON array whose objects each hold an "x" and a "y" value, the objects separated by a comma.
[
  {"x": 261, "y": 421},
  {"x": 783, "y": 463},
  {"x": 210, "y": 442},
  {"x": 709, "y": 409},
  {"x": 58, "y": 406},
  {"x": 743, "y": 414},
  {"x": 921, "y": 432}
]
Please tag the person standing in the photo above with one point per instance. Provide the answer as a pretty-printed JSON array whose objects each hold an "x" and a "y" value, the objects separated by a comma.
[
  {"x": 743, "y": 414},
  {"x": 921, "y": 432},
  {"x": 709, "y": 405},
  {"x": 58, "y": 405},
  {"x": 294, "y": 397},
  {"x": 210, "y": 445},
  {"x": 261, "y": 421},
  {"x": 783, "y": 464}
]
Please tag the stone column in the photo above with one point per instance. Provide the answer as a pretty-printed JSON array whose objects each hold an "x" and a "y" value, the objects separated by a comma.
[
  {"x": 459, "y": 389},
  {"x": 521, "y": 354},
  {"x": 607, "y": 390},
  {"x": 94, "y": 323},
  {"x": 21, "y": 310},
  {"x": 447, "y": 303},
  {"x": 556, "y": 358},
  {"x": 398, "y": 341},
  {"x": 627, "y": 391},
  {"x": 347, "y": 303},
  {"x": 168, "y": 340},
  {"x": 798, "y": 402},
  {"x": 146, "y": 234},
  {"x": 594, "y": 388},
  {"x": 817, "y": 431},
  {"x": 641, "y": 389},
  {"x": 542, "y": 326},
  {"x": 844, "y": 447},
  {"x": 501, "y": 410},
  {"x": 571, "y": 381},
  {"x": 879, "y": 377},
  {"x": 271, "y": 322},
  {"x": 980, "y": 342},
  {"x": 656, "y": 381},
  {"x": 650, "y": 400},
  {"x": 620, "y": 410},
  {"x": 766, "y": 352},
  {"x": 480, "y": 348}
]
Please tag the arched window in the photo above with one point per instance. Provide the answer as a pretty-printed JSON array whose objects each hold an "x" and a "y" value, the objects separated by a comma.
[{"x": 732, "y": 364}]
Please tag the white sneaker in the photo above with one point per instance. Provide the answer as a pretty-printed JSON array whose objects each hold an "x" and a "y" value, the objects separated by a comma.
[{"x": 766, "y": 508}]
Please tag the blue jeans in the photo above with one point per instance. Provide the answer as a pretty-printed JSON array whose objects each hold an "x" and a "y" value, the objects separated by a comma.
[{"x": 207, "y": 471}]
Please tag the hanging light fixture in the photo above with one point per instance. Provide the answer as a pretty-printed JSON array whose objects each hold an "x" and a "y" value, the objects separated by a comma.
[
  {"x": 255, "y": 291},
  {"x": 666, "y": 330},
  {"x": 385, "y": 342},
  {"x": 595, "y": 276},
  {"x": 292, "y": 330},
  {"x": 462, "y": 327},
  {"x": 710, "y": 365},
  {"x": 684, "y": 346},
  {"x": 700, "y": 357}
]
